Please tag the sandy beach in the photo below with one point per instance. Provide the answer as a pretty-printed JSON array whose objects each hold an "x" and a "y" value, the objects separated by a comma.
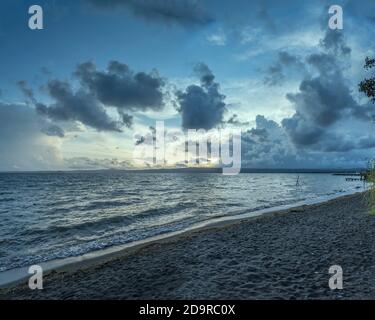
[{"x": 282, "y": 255}]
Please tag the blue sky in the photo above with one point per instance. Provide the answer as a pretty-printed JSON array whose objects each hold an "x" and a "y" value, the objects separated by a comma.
[{"x": 276, "y": 63}]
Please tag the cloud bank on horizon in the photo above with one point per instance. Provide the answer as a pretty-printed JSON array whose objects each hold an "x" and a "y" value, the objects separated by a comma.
[{"x": 278, "y": 73}]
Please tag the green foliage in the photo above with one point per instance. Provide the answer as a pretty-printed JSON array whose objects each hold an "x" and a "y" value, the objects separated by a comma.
[
  {"x": 367, "y": 86},
  {"x": 370, "y": 177}
]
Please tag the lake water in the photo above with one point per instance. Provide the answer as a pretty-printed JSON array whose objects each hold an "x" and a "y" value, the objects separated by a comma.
[{"x": 46, "y": 216}]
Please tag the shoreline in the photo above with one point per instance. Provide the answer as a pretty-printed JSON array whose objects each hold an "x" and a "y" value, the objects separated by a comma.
[
  {"x": 13, "y": 277},
  {"x": 234, "y": 253}
]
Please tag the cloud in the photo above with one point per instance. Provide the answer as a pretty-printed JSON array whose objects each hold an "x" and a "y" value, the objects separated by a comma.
[
  {"x": 49, "y": 129},
  {"x": 329, "y": 126},
  {"x": 120, "y": 87},
  {"x": 72, "y": 106},
  {"x": 334, "y": 43},
  {"x": 184, "y": 12},
  {"x": 116, "y": 87},
  {"x": 28, "y": 92},
  {"x": 140, "y": 140},
  {"x": 53, "y": 131},
  {"x": 324, "y": 98},
  {"x": 23, "y": 146},
  {"x": 127, "y": 119},
  {"x": 202, "y": 106},
  {"x": 217, "y": 39},
  {"x": 276, "y": 72},
  {"x": 234, "y": 120},
  {"x": 267, "y": 145}
]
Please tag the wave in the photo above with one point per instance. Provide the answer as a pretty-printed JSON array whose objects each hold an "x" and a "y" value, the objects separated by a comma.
[{"x": 87, "y": 225}]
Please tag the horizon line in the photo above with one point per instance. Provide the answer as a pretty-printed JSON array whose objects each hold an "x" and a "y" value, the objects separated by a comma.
[{"x": 197, "y": 169}]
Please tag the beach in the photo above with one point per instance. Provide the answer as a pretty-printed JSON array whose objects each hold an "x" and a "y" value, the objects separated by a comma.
[{"x": 279, "y": 255}]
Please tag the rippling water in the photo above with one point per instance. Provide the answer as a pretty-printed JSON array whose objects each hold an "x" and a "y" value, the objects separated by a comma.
[{"x": 44, "y": 216}]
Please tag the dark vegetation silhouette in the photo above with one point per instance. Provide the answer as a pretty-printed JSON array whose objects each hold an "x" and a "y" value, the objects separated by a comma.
[{"x": 367, "y": 86}]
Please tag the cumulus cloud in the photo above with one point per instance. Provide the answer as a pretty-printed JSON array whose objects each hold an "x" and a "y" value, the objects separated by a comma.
[
  {"x": 320, "y": 102},
  {"x": 328, "y": 122},
  {"x": 324, "y": 98},
  {"x": 202, "y": 106},
  {"x": 116, "y": 87},
  {"x": 71, "y": 106},
  {"x": 48, "y": 128},
  {"x": 120, "y": 87},
  {"x": 184, "y": 12},
  {"x": 267, "y": 145}
]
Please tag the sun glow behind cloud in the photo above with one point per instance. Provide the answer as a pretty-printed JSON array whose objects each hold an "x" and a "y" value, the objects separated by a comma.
[{"x": 90, "y": 105}]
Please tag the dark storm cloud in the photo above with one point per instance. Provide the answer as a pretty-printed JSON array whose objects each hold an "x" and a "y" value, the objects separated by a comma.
[
  {"x": 320, "y": 103},
  {"x": 185, "y": 12},
  {"x": 70, "y": 105},
  {"x": 301, "y": 131},
  {"x": 276, "y": 73},
  {"x": 325, "y": 63},
  {"x": 278, "y": 151},
  {"x": 323, "y": 100},
  {"x": 120, "y": 87},
  {"x": 202, "y": 107},
  {"x": 335, "y": 143},
  {"x": 334, "y": 43}
]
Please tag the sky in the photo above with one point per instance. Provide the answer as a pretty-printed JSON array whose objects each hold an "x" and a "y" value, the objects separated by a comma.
[{"x": 85, "y": 90}]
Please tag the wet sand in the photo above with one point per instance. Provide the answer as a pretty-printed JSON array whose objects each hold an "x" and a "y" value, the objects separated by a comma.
[{"x": 283, "y": 255}]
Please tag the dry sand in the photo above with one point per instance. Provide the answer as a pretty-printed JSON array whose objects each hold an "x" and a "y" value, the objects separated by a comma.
[{"x": 284, "y": 255}]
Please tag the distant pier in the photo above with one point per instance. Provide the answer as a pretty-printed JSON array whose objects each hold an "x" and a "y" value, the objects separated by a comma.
[{"x": 354, "y": 176}]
